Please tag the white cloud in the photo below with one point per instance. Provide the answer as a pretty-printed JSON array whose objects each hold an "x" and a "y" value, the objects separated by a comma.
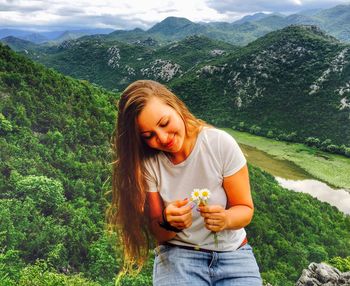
[{"x": 129, "y": 14}]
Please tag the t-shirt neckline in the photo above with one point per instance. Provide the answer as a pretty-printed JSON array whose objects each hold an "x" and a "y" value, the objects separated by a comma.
[{"x": 190, "y": 156}]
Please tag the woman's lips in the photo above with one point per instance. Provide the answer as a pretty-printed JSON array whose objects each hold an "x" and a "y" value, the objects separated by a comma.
[{"x": 170, "y": 143}]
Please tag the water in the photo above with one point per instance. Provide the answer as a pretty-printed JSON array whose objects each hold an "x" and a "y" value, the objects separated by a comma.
[{"x": 292, "y": 177}]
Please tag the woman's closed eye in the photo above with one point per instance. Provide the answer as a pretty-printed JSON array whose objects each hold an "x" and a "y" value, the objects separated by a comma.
[
  {"x": 164, "y": 124},
  {"x": 148, "y": 136}
]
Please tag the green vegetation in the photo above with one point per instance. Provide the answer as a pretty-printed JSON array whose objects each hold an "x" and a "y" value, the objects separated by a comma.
[
  {"x": 114, "y": 64},
  {"x": 342, "y": 264},
  {"x": 289, "y": 230},
  {"x": 289, "y": 84},
  {"x": 55, "y": 172},
  {"x": 327, "y": 167}
]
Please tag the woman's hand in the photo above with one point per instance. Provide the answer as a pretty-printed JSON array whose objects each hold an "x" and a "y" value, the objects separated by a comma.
[
  {"x": 215, "y": 217},
  {"x": 179, "y": 214}
]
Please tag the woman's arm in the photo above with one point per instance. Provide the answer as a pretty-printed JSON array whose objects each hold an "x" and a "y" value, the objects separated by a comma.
[
  {"x": 178, "y": 214},
  {"x": 240, "y": 206}
]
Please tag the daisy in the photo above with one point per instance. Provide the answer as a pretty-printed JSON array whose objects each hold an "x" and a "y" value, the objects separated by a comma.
[
  {"x": 205, "y": 195},
  {"x": 196, "y": 195}
]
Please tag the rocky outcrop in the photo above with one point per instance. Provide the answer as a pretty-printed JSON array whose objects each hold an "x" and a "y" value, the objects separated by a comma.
[{"x": 323, "y": 275}]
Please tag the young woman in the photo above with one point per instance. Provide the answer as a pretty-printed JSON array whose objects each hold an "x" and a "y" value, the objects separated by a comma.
[{"x": 162, "y": 153}]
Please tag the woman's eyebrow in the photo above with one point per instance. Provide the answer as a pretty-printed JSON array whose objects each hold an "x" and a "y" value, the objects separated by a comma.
[{"x": 156, "y": 124}]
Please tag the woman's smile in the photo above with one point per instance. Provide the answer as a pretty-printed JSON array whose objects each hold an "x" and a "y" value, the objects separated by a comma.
[{"x": 170, "y": 143}]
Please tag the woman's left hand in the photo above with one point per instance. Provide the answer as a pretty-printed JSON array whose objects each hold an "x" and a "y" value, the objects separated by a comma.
[{"x": 215, "y": 217}]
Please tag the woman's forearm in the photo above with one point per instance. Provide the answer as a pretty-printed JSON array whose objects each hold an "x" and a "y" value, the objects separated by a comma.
[
  {"x": 238, "y": 216},
  {"x": 160, "y": 234}
]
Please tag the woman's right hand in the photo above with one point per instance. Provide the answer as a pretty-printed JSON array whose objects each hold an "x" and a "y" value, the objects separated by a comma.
[{"x": 179, "y": 214}]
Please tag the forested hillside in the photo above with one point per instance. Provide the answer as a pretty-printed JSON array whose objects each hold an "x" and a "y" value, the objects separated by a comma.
[
  {"x": 54, "y": 171},
  {"x": 54, "y": 175},
  {"x": 291, "y": 84},
  {"x": 114, "y": 64}
]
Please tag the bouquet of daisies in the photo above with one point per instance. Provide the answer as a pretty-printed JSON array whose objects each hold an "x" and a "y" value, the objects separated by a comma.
[{"x": 200, "y": 197}]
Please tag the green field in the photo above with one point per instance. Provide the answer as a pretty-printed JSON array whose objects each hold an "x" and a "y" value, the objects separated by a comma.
[{"x": 331, "y": 168}]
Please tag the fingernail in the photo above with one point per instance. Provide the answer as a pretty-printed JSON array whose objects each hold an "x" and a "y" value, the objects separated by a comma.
[
  {"x": 192, "y": 205},
  {"x": 198, "y": 209}
]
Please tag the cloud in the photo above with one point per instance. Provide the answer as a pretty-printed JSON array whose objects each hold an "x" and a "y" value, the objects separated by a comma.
[
  {"x": 253, "y": 6},
  {"x": 109, "y": 13},
  {"x": 129, "y": 14}
]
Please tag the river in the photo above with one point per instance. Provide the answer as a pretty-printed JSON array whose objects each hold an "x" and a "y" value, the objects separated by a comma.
[{"x": 292, "y": 177}]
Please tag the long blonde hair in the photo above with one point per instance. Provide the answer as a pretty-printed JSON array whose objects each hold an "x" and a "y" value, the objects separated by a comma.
[{"x": 126, "y": 212}]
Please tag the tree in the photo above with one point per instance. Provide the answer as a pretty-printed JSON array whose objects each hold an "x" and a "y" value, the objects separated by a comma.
[{"x": 47, "y": 194}]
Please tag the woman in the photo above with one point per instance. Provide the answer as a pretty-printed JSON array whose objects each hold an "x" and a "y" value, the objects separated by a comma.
[{"x": 162, "y": 153}]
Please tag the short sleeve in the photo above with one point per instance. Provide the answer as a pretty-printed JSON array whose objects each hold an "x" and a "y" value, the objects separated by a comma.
[
  {"x": 231, "y": 156},
  {"x": 150, "y": 176}
]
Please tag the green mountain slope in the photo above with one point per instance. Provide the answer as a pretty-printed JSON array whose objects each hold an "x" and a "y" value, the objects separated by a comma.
[
  {"x": 334, "y": 21},
  {"x": 18, "y": 44},
  {"x": 114, "y": 64},
  {"x": 293, "y": 81},
  {"x": 54, "y": 160},
  {"x": 54, "y": 171}
]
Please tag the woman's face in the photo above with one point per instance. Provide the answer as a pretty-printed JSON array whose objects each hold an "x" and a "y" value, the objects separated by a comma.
[{"x": 161, "y": 127}]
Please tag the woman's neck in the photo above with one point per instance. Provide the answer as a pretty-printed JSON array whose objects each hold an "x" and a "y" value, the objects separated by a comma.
[{"x": 188, "y": 146}]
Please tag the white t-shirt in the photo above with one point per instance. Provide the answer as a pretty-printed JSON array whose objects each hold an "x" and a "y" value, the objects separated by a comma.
[{"x": 215, "y": 155}]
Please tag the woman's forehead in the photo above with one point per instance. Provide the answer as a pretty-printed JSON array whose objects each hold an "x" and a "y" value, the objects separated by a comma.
[{"x": 152, "y": 113}]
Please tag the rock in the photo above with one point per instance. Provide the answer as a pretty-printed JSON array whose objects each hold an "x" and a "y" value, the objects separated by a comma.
[{"x": 321, "y": 274}]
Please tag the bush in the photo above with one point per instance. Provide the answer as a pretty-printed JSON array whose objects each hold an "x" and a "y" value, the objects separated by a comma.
[
  {"x": 255, "y": 129},
  {"x": 312, "y": 141},
  {"x": 333, "y": 148},
  {"x": 48, "y": 194},
  {"x": 270, "y": 134},
  {"x": 5, "y": 125},
  {"x": 41, "y": 274},
  {"x": 342, "y": 264}
]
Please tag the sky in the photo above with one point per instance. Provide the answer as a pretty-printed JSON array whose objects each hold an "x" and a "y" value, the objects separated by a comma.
[{"x": 129, "y": 14}]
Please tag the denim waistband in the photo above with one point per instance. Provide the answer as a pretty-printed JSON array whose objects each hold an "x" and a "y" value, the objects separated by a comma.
[{"x": 196, "y": 248}]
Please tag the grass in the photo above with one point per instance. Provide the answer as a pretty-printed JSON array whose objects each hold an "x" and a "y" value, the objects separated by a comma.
[{"x": 330, "y": 168}]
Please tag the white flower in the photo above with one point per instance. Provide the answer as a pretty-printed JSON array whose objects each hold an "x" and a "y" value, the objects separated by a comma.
[
  {"x": 205, "y": 194},
  {"x": 200, "y": 196},
  {"x": 196, "y": 195}
]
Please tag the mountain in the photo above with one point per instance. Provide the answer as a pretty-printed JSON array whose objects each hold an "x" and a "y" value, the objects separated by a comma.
[
  {"x": 136, "y": 36},
  {"x": 259, "y": 86},
  {"x": 18, "y": 44},
  {"x": 292, "y": 82},
  {"x": 54, "y": 162},
  {"x": 55, "y": 185},
  {"x": 176, "y": 28},
  {"x": 310, "y": 12},
  {"x": 114, "y": 64},
  {"x": 57, "y": 36},
  {"x": 250, "y": 18},
  {"x": 75, "y": 34},
  {"x": 13, "y": 32},
  {"x": 35, "y": 38},
  {"x": 334, "y": 21}
]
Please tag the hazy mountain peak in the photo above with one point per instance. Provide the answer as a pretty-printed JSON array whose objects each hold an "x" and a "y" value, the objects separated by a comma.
[
  {"x": 299, "y": 32},
  {"x": 253, "y": 17},
  {"x": 171, "y": 23}
]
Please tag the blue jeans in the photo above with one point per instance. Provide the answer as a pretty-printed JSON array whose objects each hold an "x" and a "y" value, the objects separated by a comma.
[{"x": 177, "y": 266}]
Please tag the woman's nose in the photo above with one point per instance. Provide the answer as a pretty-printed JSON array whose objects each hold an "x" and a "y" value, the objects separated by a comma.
[{"x": 162, "y": 137}]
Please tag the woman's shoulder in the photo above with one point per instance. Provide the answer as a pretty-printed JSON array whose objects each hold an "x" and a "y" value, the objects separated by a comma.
[{"x": 213, "y": 132}]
